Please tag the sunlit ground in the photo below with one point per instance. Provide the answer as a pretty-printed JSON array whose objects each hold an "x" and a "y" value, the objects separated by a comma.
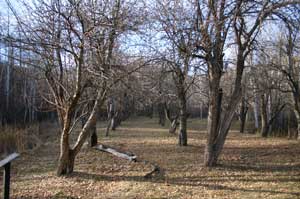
[{"x": 250, "y": 167}]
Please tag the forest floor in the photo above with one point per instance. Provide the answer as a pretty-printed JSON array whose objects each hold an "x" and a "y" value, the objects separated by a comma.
[{"x": 250, "y": 167}]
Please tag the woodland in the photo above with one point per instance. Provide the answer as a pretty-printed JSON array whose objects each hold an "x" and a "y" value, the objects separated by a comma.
[{"x": 151, "y": 98}]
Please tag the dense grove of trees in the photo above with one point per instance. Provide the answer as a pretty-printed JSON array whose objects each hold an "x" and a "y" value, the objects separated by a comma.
[{"x": 113, "y": 59}]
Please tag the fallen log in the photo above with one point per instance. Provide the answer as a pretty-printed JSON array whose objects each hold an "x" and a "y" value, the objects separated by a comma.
[
  {"x": 120, "y": 154},
  {"x": 131, "y": 157}
]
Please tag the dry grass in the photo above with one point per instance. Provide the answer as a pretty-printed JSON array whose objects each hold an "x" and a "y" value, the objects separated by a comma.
[
  {"x": 13, "y": 139},
  {"x": 250, "y": 167}
]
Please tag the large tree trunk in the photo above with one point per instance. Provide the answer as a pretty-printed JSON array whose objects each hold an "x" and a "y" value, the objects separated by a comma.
[
  {"x": 67, "y": 154},
  {"x": 219, "y": 125},
  {"x": 67, "y": 157},
  {"x": 214, "y": 113},
  {"x": 66, "y": 162}
]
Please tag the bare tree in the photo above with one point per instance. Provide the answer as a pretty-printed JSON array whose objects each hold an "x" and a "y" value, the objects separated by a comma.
[
  {"x": 176, "y": 23},
  {"x": 74, "y": 44},
  {"x": 214, "y": 25},
  {"x": 288, "y": 50}
]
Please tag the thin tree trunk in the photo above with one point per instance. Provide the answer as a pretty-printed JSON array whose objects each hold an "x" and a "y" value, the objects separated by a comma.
[
  {"x": 297, "y": 136},
  {"x": 243, "y": 116},
  {"x": 93, "y": 130},
  {"x": 110, "y": 115},
  {"x": 94, "y": 137},
  {"x": 264, "y": 117},
  {"x": 182, "y": 139},
  {"x": 173, "y": 121},
  {"x": 243, "y": 123},
  {"x": 256, "y": 112},
  {"x": 116, "y": 121},
  {"x": 173, "y": 126},
  {"x": 108, "y": 127},
  {"x": 161, "y": 114}
]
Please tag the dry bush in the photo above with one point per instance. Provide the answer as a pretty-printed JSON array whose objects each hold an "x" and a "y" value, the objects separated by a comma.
[
  {"x": 8, "y": 142},
  {"x": 14, "y": 139}
]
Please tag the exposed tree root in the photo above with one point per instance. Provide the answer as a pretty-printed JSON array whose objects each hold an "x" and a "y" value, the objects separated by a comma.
[{"x": 155, "y": 171}]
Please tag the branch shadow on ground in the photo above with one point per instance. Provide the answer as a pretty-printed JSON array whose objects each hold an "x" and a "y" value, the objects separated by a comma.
[
  {"x": 197, "y": 181},
  {"x": 259, "y": 168}
]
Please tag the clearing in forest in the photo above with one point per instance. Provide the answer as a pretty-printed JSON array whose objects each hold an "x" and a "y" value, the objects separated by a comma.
[{"x": 250, "y": 167}]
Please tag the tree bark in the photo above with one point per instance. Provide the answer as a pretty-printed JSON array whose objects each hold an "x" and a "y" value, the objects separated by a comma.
[
  {"x": 182, "y": 128},
  {"x": 243, "y": 116},
  {"x": 110, "y": 115},
  {"x": 214, "y": 113},
  {"x": 173, "y": 126},
  {"x": 218, "y": 123},
  {"x": 182, "y": 137},
  {"x": 297, "y": 136},
  {"x": 67, "y": 157},
  {"x": 93, "y": 130},
  {"x": 161, "y": 114},
  {"x": 256, "y": 112},
  {"x": 67, "y": 154},
  {"x": 94, "y": 137},
  {"x": 116, "y": 120},
  {"x": 264, "y": 117},
  {"x": 293, "y": 76},
  {"x": 173, "y": 121}
]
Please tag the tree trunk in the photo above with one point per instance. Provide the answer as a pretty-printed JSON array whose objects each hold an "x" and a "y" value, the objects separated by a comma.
[
  {"x": 173, "y": 121},
  {"x": 94, "y": 137},
  {"x": 67, "y": 157},
  {"x": 108, "y": 127},
  {"x": 243, "y": 116},
  {"x": 214, "y": 113},
  {"x": 256, "y": 112},
  {"x": 182, "y": 139},
  {"x": 219, "y": 125},
  {"x": 297, "y": 113},
  {"x": 116, "y": 120},
  {"x": 67, "y": 154},
  {"x": 243, "y": 123},
  {"x": 161, "y": 114},
  {"x": 173, "y": 126},
  {"x": 110, "y": 115},
  {"x": 66, "y": 163},
  {"x": 264, "y": 117},
  {"x": 93, "y": 130}
]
